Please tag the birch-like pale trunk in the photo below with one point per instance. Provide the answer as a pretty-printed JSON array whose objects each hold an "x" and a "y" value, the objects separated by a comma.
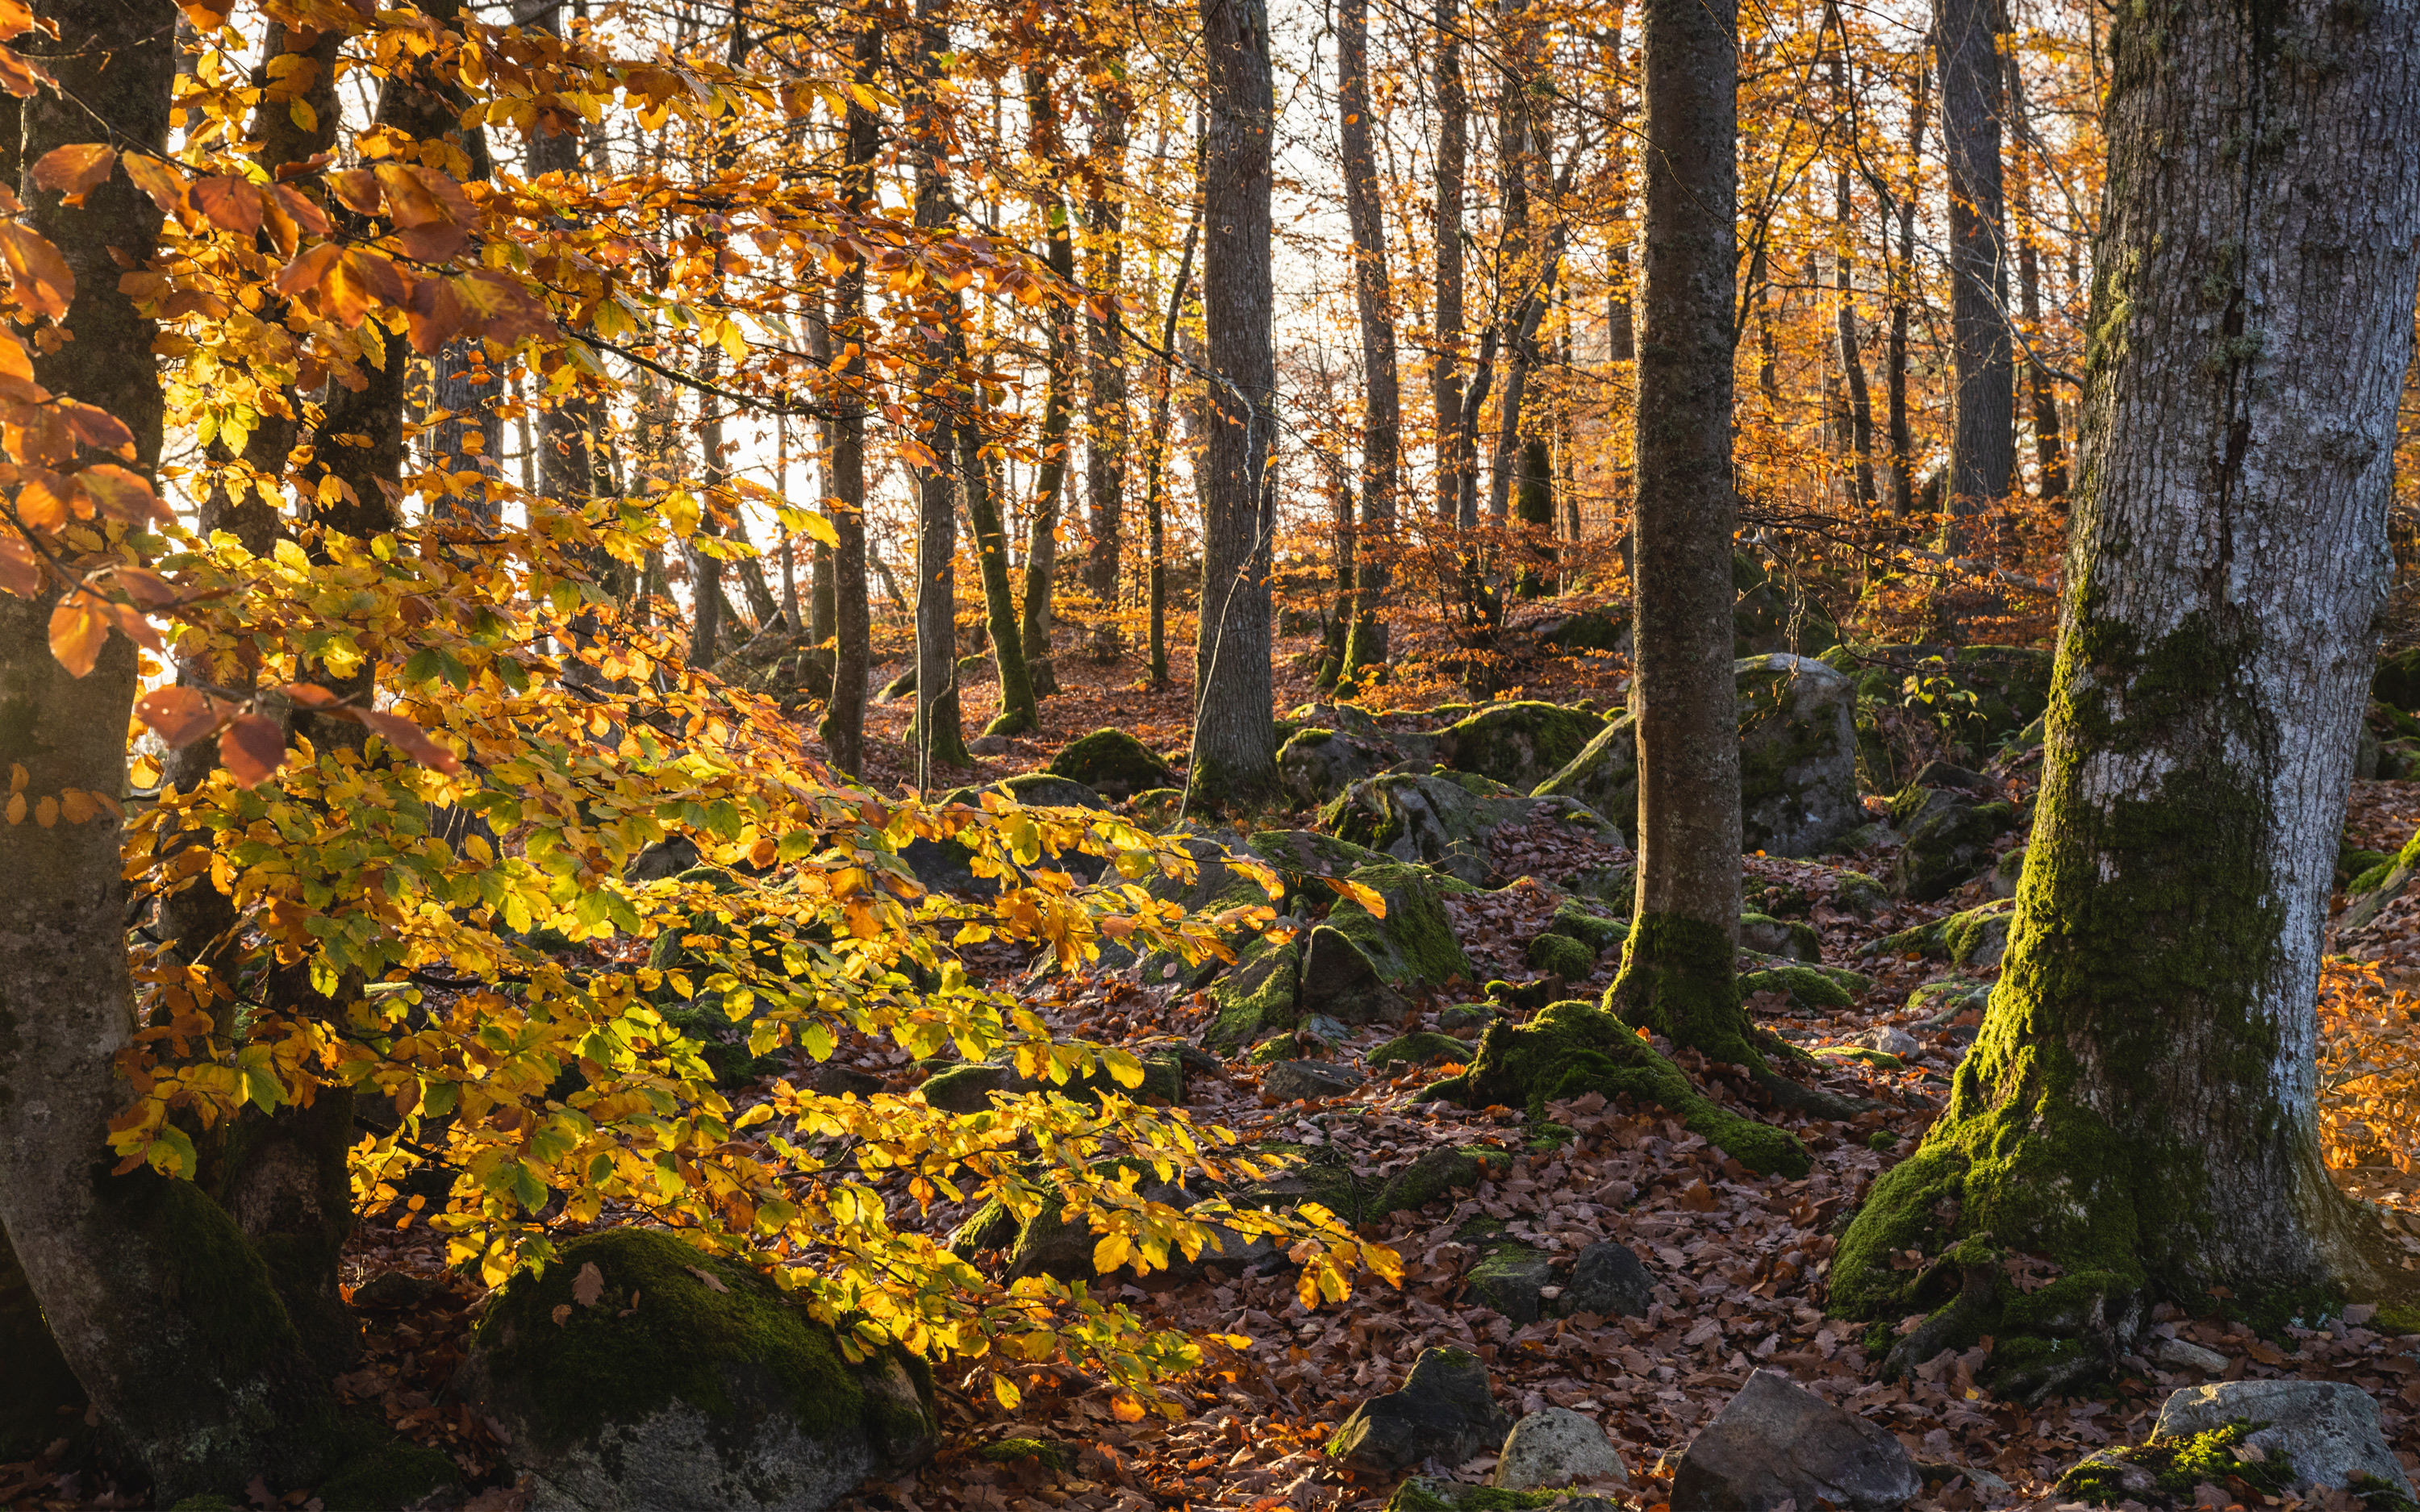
[{"x": 2140, "y": 1106}]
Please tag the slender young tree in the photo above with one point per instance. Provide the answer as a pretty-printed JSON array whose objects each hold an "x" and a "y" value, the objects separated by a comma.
[
  {"x": 1453, "y": 460},
  {"x": 844, "y": 724},
  {"x": 1365, "y": 645},
  {"x": 1105, "y": 393},
  {"x": 2050, "y": 453},
  {"x": 2140, "y": 1106},
  {"x": 1235, "y": 731},
  {"x": 1051, "y": 478}
]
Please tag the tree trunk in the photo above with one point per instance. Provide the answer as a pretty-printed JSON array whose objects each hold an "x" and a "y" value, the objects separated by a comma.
[
  {"x": 844, "y": 724},
  {"x": 1234, "y": 733},
  {"x": 1844, "y": 262},
  {"x": 1365, "y": 646},
  {"x": 2140, "y": 1105},
  {"x": 1453, "y": 153},
  {"x": 1982, "y": 452},
  {"x": 2050, "y": 456},
  {"x": 1519, "y": 277},
  {"x": 1018, "y": 715},
  {"x": 1104, "y": 454},
  {"x": 1677, "y": 974},
  {"x": 1051, "y": 478},
  {"x": 1156, "y": 467},
  {"x": 1904, "y": 291},
  {"x": 155, "y": 1300}
]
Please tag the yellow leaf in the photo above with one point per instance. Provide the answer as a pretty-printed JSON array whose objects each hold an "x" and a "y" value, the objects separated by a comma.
[
  {"x": 16, "y": 807},
  {"x": 1111, "y": 1252},
  {"x": 46, "y": 812},
  {"x": 1363, "y": 894},
  {"x": 1005, "y": 1389}
]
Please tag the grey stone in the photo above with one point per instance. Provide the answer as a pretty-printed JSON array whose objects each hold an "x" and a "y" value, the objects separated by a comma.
[
  {"x": 2327, "y": 1430},
  {"x": 1557, "y": 1447},
  {"x": 1776, "y": 1442},
  {"x": 1444, "y": 1412},
  {"x": 1890, "y": 1041},
  {"x": 1608, "y": 1280},
  {"x": 1318, "y": 763},
  {"x": 1793, "y": 940},
  {"x": 1798, "y": 755},
  {"x": 2005, "y": 872},
  {"x": 2183, "y": 1354},
  {"x": 1291, "y": 1079},
  {"x": 1513, "y": 1279},
  {"x": 1446, "y": 819},
  {"x": 988, "y": 746}
]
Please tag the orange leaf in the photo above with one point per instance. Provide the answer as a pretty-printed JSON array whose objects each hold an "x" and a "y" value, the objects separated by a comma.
[
  {"x": 97, "y": 427},
  {"x": 75, "y": 171},
  {"x": 131, "y": 624},
  {"x": 159, "y": 178},
  {"x": 78, "y": 628},
  {"x": 252, "y": 748},
  {"x": 21, "y": 76},
  {"x": 16, "y": 18},
  {"x": 143, "y": 586},
  {"x": 181, "y": 715},
  {"x": 359, "y": 282},
  {"x": 411, "y": 740},
  {"x": 229, "y": 201},
  {"x": 123, "y": 495},
  {"x": 43, "y": 282},
  {"x": 436, "y": 313},
  {"x": 356, "y": 189},
  {"x": 21, "y": 571},
  {"x": 42, "y": 503},
  {"x": 506, "y": 309},
  {"x": 307, "y": 270},
  {"x": 302, "y": 209},
  {"x": 310, "y": 695}
]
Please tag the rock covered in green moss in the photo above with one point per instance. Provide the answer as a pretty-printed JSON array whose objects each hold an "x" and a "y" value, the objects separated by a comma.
[
  {"x": 1518, "y": 744},
  {"x": 1771, "y": 612},
  {"x": 1421, "y": 1494},
  {"x": 1444, "y": 1412},
  {"x": 669, "y": 1378},
  {"x": 2326, "y": 1433},
  {"x": 1290, "y": 1081},
  {"x": 1559, "y": 955},
  {"x": 1605, "y": 628},
  {"x": 1421, "y": 1049},
  {"x": 1446, "y": 819},
  {"x": 1574, "y": 1048},
  {"x": 1776, "y": 1443},
  {"x": 967, "y": 1088},
  {"x": 1593, "y": 929},
  {"x": 1943, "y": 1000},
  {"x": 1019, "y": 1450},
  {"x": 1435, "y": 1175},
  {"x": 1808, "y": 990},
  {"x": 2380, "y": 885},
  {"x": 1793, "y": 940},
  {"x": 1977, "y": 937},
  {"x": 1111, "y": 761},
  {"x": 1602, "y": 775},
  {"x": 1258, "y": 995},
  {"x": 1798, "y": 755},
  {"x": 1317, "y": 764},
  {"x": 1359, "y": 968},
  {"x": 1946, "y": 839}
]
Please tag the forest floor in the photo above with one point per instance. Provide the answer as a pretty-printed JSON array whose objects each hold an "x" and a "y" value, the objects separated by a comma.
[{"x": 1739, "y": 1258}]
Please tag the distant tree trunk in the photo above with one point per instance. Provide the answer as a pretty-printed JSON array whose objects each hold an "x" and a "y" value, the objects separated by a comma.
[
  {"x": 1620, "y": 343},
  {"x": 1051, "y": 478},
  {"x": 1903, "y": 297},
  {"x": 1452, "y": 151},
  {"x": 1677, "y": 974},
  {"x": 2141, "y": 1106},
  {"x": 1156, "y": 468},
  {"x": 1105, "y": 428},
  {"x": 1234, "y": 738},
  {"x": 1365, "y": 646},
  {"x": 1844, "y": 262},
  {"x": 155, "y": 1299},
  {"x": 844, "y": 725},
  {"x": 1520, "y": 276},
  {"x": 1018, "y": 715},
  {"x": 1982, "y": 452},
  {"x": 1341, "y": 605},
  {"x": 2049, "y": 454}
]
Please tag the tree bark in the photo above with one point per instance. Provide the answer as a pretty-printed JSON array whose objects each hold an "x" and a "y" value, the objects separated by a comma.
[
  {"x": 1844, "y": 262},
  {"x": 1365, "y": 645},
  {"x": 844, "y": 723},
  {"x": 1677, "y": 974},
  {"x": 1018, "y": 715},
  {"x": 2140, "y": 1106},
  {"x": 1453, "y": 152},
  {"x": 1156, "y": 464},
  {"x": 1903, "y": 291},
  {"x": 1105, "y": 428},
  {"x": 2050, "y": 453},
  {"x": 164, "y": 1314},
  {"x": 1234, "y": 733},
  {"x": 1051, "y": 478},
  {"x": 938, "y": 738},
  {"x": 1982, "y": 452}
]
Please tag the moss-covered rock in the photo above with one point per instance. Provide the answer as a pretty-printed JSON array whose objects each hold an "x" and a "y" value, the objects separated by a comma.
[
  {"x": 1358, "y": 967},
  {"x": 1574, "y": 1048},
  {"x": 1317, "y": 764},
  {"x": 1602, "y": 775},
  {"x": 1858, "y": 893},
  {"x": 1595, "y": 629},
  {"x": 1948, "y": 839},
  {"x": 1559, "y": 955},
  {"x": 2396, "y": 681},
  {"x": 1435, "y": 1175},
  {"x": 1445, "y": 819},
  {"x": 2163, "y": 1472},
  {"x": 1794, "y": 939},
  {"x": 1976, "y": 937},
  {"x": 1598, "y": 932},
  {"x": 1810, "y": 991},
  {"x": 1423, "y": 1049},
  {"x": 683, "y": 1380},
  {"x": 967, "y": 1088},
  {"x": 1111, "y": 761},
  {"x": 1798, "y": 755},
  {"x": 1518, "y": 744},
  {"x": 1770, "y": 613},
  {"x": 1950, "y": 998},
  {"x": 1511, "y": 1277},
  {"x": 1257, "y": 995},
  {"x": 1421, "y": 1494},
  {"x": 1037, "y": 1451}
]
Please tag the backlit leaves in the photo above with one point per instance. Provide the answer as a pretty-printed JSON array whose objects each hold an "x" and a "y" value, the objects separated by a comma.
[
  {"x": 74, "y": 171},
  {"x": 42, "y": 281}
]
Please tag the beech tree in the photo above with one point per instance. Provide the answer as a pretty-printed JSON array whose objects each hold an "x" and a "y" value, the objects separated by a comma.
[{"x": 2139, "y": 1108}]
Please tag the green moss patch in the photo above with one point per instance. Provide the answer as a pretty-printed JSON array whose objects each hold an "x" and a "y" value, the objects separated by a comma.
[
  {"x": 1014, "y": 1451},
  {"x": 1807, "y": 988},
  {"x": 1562, "y": 956},
  {"x": 2174, "y": 1467}
]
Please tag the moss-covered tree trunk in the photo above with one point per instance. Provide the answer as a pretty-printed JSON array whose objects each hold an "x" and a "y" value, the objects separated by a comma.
[
  {"x": 1677, "y": 972},
  {"x": 1235, "y": 731},
  {"x": 1365, "y": 645},
  {"x": 2140, "y": 1105},
  {"x": 936, "y": 732},
  {"x": 166, "y": 1316},
  {"x": 1050, "y": 477},
  {"x": 1018, "y": 715}
]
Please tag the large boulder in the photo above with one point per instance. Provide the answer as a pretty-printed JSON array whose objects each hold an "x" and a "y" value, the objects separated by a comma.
[
  {"x": 1444, "y": 1412},
  {"x": 1603, "y": 775},
  {"x": 1976, "y": 937},
  {"x": 1111, "y": 761},
  {"x": 2327, "y": 1431},
  {"x": 1798, "y": 755},
  {"x": 1606, "y": 628},
  {"x": 1948, "y": 834},
  {"x": 1557, "y": 1447},
  {"x": 1445, "y": 819},
  {"x": 948, "y": 866},
  {"x": 1777, "y": 1442},
  {"x": 1317, "y": 764},
  {"x": 637, "y": 1372},
  {"x": 1358, "y": 967},
  {"x": 1518, "y": 744}
]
